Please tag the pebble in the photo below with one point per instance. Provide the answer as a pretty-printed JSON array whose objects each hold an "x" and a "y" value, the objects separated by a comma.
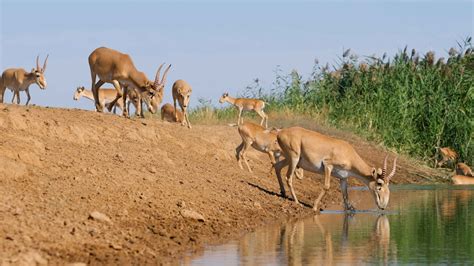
[
  {"x": 115, "y": 246},
  {"x": 192, "y": 215},
  {"x": 98, "y": 216}
]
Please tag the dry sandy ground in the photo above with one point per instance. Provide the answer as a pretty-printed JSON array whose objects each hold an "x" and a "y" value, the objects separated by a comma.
[{"x": 59, "y": 166}]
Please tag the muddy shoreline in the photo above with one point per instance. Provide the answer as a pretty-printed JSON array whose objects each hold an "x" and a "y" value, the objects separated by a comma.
[{"x": 151, "y": 179}]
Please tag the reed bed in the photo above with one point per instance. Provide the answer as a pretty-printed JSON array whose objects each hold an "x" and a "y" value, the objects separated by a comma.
[{"x": 411, "y": 102}]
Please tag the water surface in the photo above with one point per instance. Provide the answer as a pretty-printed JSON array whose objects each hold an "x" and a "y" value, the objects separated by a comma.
[{"x": 424, "y": 224}]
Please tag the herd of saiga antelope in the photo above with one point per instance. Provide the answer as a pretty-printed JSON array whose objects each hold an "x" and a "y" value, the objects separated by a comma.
[{"x": 301, "y": 148}]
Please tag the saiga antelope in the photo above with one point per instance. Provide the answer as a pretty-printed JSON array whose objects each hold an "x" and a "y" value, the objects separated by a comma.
[
  {"x": 462, "y": 180},
  {"x": 246, "y": 104},
  {"x": 114, "y": 67},
  {"x": 448, "y": 155},
  {"x": 17, "y": 79},
  {"x": 262, "y": 140},
  {"x": 182, "y": 93},
  {"x": 318, "y": 153},
  {"x": 463, "y": 169},
  {"x": 168, "y": 113},
  {"x": 137, "y": 99},
  {"x": 105, "y": 96}
]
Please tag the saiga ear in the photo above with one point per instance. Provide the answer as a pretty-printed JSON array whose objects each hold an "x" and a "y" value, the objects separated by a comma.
[{"x": 376, "y": 173}]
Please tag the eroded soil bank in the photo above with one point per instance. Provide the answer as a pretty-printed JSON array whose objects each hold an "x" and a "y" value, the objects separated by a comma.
[{"x": 58, "y": 166}]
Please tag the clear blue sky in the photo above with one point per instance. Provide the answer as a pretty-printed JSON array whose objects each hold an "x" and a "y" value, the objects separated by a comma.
[{"x": 216, "y": 46}]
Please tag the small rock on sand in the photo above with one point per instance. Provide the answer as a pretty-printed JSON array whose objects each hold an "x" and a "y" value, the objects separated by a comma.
[
  {"x": 98, "y": 216},
  {"x": 192, "y": 215}
]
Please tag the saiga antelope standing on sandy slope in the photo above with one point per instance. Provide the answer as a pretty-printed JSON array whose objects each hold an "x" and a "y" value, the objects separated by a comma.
[
  {"x": 246, "y": 104},
  {"x": 318, "y": 153},
  {"x": 114, "y": 67},
  {"x": 262, "y": 140},
  {"x": 137, "y": 99},
  {"x": 105, "y": 96},
  {"x": 182, "y": 92},
  {"x": 168, "y": 113},
  {"x": 17, "y": 79}
]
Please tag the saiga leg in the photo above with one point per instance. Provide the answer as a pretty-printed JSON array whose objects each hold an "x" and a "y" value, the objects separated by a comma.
[
  {"x": 238, "y": 150},
  {"x": 119, "y": 95},
  {"x": 175, "y": 110},
  {"x": 327, "y": 182},
  {"x": 124, "y": 100},
  {"x": 2, "y": 89},
  {"x": 271, "y": 155},
  {"x": 95, "y": 91},
  {"x": 28, "y": 96},
  {"x": 240, "y": 116},
  {"x": 278, "y": 167},
  {"x": 289, "y": 175},
  {"x": 17, "y": 93},
  {"x": 263, "y": 116},
  {"x": 13, "y": 98},
  {"x": 345, "y": 195},
  {"x": 140, "y": 102},
  {"x": 185, "y": 113},
  {"x": 242, "y": 155}
]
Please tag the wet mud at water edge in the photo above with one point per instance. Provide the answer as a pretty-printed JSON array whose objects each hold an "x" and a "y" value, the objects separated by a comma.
[{"x": 424, "y": 224}]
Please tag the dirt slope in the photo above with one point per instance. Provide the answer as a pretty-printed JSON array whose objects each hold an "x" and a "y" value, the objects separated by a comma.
[{"x": 57, "y": 166}]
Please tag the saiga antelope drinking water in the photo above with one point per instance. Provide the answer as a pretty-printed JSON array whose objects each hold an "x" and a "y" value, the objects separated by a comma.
[
  {"x": 17, "y": 79},
  {"x": 182, "y": 93},
  {"x": 105, "y": 96},
  {"x": 318, "y": 153},
  {"x": 246, "y": 104},
  {"x": 114, "y": 67}
]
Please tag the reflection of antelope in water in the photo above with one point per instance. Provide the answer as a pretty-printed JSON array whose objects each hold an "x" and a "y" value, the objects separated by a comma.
[
  {"x": 376, "y": 246},
  {"x": 296, "y": 243}
]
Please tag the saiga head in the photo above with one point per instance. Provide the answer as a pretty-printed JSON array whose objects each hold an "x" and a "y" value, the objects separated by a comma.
[
  {"x": 153, "y": 102},
  {"x": 273, "y": 146},
  {"x": 40, "y": 80},
  {"x": 78, "y": 93},
  {"x": 224, "y": 97},
  {"x": 158, "y": 85},
  {"x": 379, "y": 186},
  {"x": 184, "y": 95}
]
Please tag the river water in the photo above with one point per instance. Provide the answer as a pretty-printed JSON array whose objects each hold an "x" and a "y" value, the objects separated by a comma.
[{"x": 423, "y": 225}]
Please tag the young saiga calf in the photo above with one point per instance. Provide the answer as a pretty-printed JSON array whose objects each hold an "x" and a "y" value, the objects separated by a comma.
[
  {"x": 168, "y": 113},
  {"x": 262, "y": 140},
  {"x": 246, "y": 104},
  {"x": 105, "y": 96}
]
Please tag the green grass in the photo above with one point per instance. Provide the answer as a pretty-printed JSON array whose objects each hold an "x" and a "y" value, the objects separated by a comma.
[{"x": 411, "y": 103}]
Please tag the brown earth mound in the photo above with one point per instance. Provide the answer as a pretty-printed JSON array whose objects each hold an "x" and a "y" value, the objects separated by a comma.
[{"x": 81, "y": 186}]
